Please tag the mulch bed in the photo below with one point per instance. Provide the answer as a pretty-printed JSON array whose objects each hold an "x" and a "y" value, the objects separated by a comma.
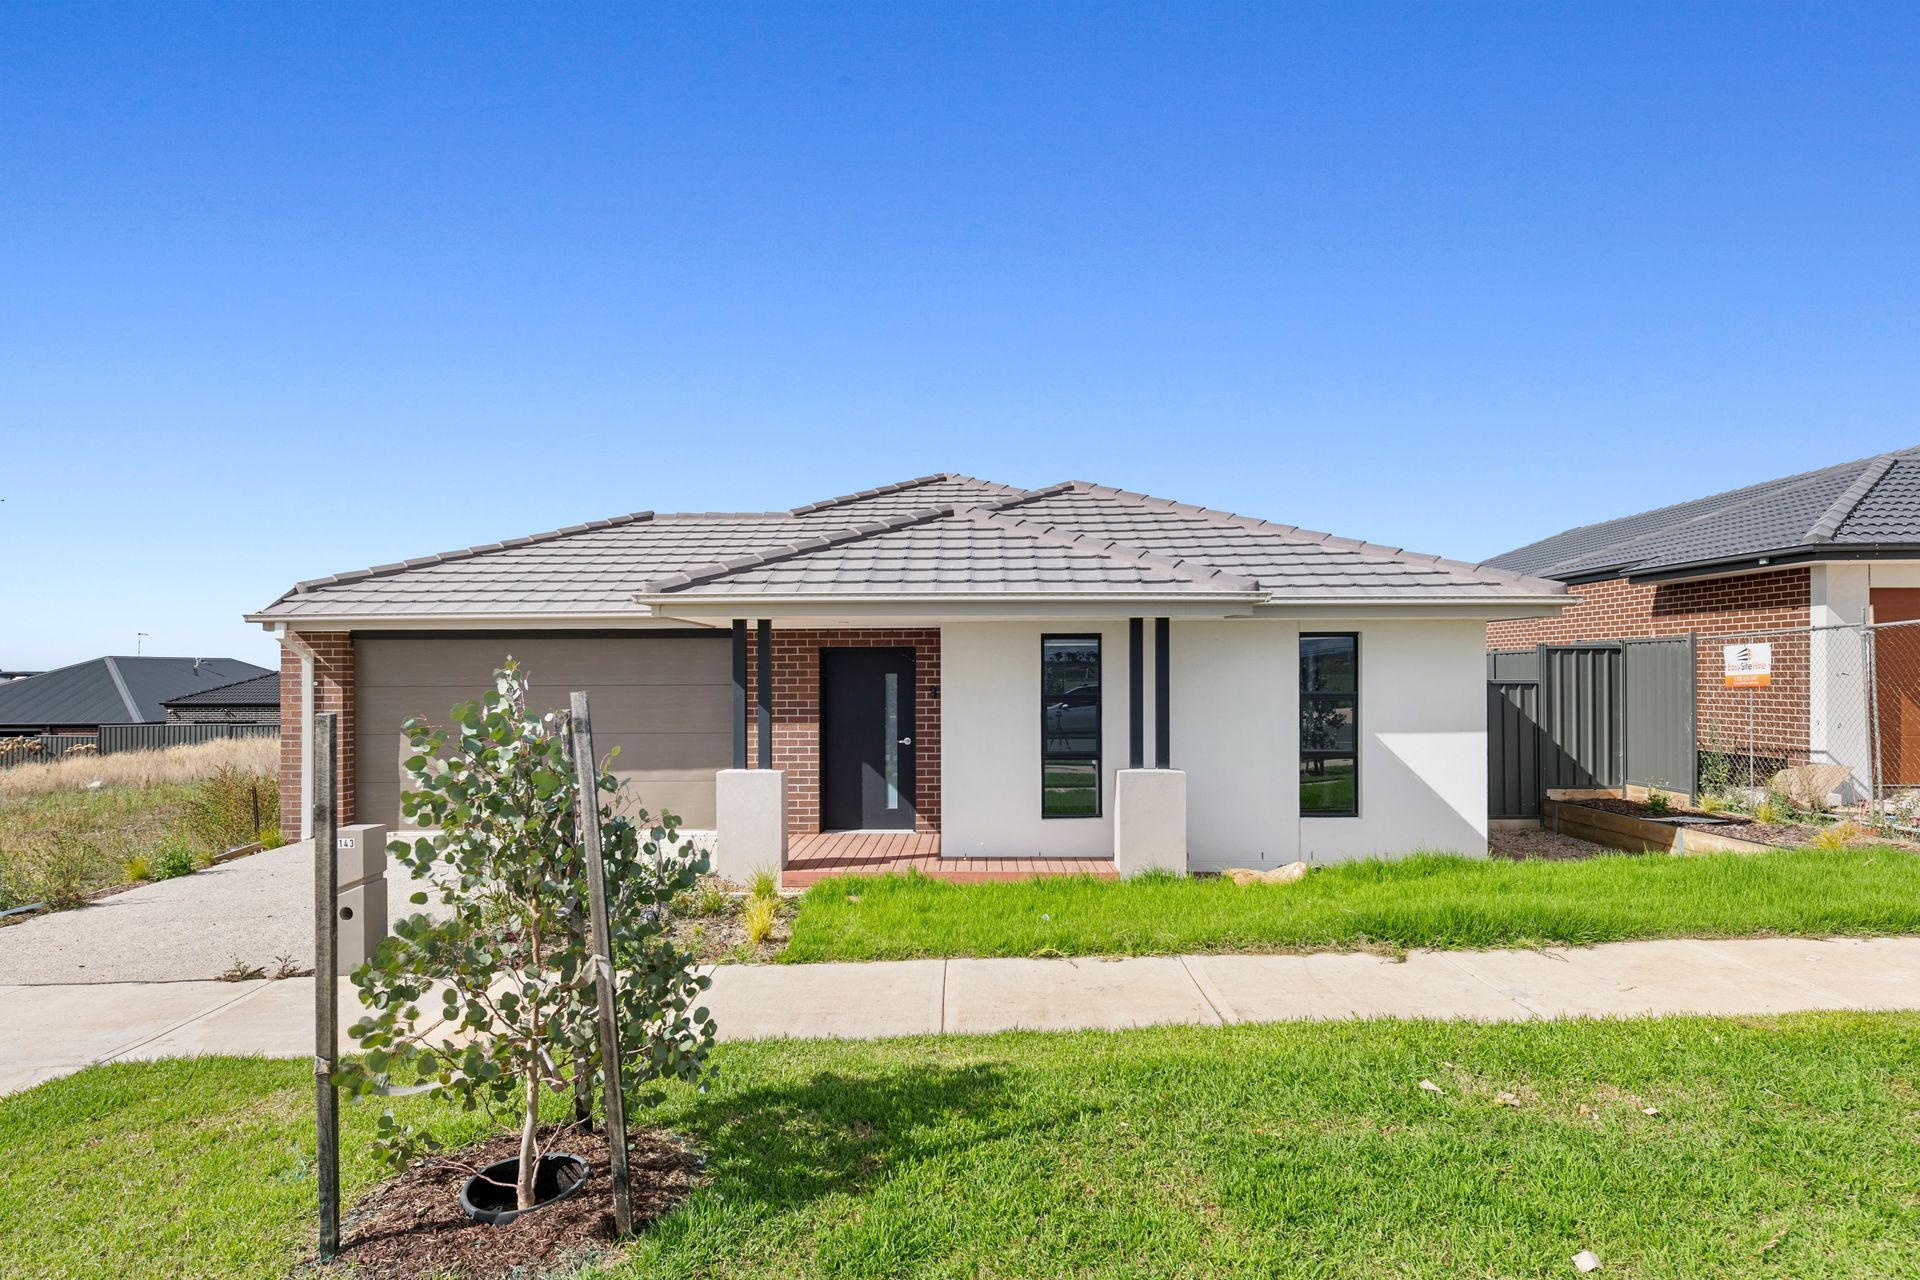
[
  {"x": 412, "y": 1226},
  {"x": 1789, "y": 835}
]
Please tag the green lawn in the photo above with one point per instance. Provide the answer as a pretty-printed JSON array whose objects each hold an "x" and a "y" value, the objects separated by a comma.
[
  {"x": 1780, "y": 1147},
  {"x": 1425, "y": 901}
]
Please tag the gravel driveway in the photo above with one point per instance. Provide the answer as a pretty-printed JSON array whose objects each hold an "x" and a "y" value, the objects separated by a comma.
[{"x": 254, "y": 910}]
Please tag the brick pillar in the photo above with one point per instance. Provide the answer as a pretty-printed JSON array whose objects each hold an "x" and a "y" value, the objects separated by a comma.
[{"x": 333, "y": 683}]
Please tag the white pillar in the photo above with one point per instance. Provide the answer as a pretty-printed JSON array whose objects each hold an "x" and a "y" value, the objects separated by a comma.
[
  {"x": 1150, "y": 821},
  {"x": 750, "y": 823}
]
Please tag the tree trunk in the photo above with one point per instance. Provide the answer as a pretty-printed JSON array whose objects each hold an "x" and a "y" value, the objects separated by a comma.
[{"x": 529, "y": 1148}]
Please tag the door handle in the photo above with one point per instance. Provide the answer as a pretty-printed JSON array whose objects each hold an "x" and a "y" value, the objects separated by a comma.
[{"x": 906, "y": 742}]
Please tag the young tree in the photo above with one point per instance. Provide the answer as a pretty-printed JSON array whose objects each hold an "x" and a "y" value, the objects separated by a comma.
[{"x": 510, "y": 970}]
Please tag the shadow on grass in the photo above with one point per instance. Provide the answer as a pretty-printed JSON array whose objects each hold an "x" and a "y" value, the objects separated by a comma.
[{"x": 777, "y": 1147}]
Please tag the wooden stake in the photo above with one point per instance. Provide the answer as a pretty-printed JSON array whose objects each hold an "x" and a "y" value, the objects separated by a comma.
[
  {"x": 326, "y": 988},
  {"x": 588, "y": 777},
  {"x": 577, "y": 931}
]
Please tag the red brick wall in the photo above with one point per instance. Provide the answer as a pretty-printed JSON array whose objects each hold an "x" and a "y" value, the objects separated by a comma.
[
  {"x": 1621, "y": 610},
  {"x": 333, "y": 691},
  {"x": 796, "y": 714}
]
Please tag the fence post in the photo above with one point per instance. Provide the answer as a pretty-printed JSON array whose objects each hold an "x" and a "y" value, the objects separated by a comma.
[
  {"x": 1870, "y": 673},
  {"x": 326, "y": 987},
  {"x": 588, "y": 775}
]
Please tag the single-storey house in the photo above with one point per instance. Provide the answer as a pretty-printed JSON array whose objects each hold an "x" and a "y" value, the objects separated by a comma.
[
  {"x": 116, "y": 690},
  {"x": 253, "y": 700},
  {"x": 1799, "y": 562},
  {"x": 1074, "y": 671}
]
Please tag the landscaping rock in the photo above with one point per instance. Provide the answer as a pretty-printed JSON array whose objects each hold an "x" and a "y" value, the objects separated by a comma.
[
  {"x": 1809, "y": 786},
  {"x": 1278, "y": 875}
]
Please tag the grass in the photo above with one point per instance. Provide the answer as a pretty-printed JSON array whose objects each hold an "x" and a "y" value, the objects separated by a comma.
[
  {"x": 1779, "y": 1147},
  {"x": 159, "y": 812},
  {"x": 1429, "y": 900}
]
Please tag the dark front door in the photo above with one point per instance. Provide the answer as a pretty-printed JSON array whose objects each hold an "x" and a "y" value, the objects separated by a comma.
[{"x": 866, "y": 739}]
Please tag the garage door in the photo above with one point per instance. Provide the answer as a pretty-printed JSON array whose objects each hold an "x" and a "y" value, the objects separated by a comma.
[{"x": 663, "y": 698}]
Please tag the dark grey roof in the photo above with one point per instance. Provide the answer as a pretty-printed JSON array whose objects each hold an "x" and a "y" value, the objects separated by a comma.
[
  {"x": 1868, "y": 505},
  {"x": 115, "y": 690},
  {"x": 938, "y": 535},
  {"x": 254, "y": 691}
]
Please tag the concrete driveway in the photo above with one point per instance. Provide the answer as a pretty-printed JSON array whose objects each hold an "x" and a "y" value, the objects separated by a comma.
[{"x": 252, "y": 910}]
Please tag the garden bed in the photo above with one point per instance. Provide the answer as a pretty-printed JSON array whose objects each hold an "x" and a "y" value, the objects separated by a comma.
[
  {"x": 1634, "y": 826},
  {"x": 413, "y": 1227}
]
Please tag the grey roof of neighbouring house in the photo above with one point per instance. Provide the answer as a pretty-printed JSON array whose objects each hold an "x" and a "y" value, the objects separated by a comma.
[
  {"x": 940, "y": 535},
  {"x": 1868, "y": 506},
  {"x": 115, "y": 690},
  {"x": 254, "y": 691}
]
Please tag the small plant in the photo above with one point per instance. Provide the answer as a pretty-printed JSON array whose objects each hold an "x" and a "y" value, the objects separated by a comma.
[
  {"x": 1769, "y": 809},
  {"x": 758, "y": 919},
  {"x": 173, "y": 858},
  {"x": 139, "y": 867},
  {"x": 241, "y": 971},
  {"x": 57, "y": 874},
  {"x": 288, "y": 967},
  {"x": 1712, "y": 802},
  {"x": 510, "y": 960},
  {"x": 231, "y": 808},
  {"x": 765, "y": 885},
  {"x": 1658, "y": 801},
  {"x": 707, "y": 899},
  {"x": 271, "y": 838},
  {"x": 1837, "y": 836}
]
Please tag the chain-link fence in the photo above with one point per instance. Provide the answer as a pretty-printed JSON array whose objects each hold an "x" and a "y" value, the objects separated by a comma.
[{"x": 1813, "y": 719}]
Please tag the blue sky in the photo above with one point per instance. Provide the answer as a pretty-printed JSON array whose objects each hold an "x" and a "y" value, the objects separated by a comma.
[{"x": 290, "y": 289}]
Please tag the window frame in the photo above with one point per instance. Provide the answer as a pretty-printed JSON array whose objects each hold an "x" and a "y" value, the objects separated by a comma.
[
  {"x": 1300, "y": 748},
  {"x": 1098, "y": 641}
]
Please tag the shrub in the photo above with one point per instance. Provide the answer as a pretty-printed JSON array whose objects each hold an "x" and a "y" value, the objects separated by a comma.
[
  {"x": 511, "y": 961},
  {"x": 138, "y": 867},
  {"x": 758, "y": 918},
  {"x": 1837, "y": 836},
  {"x": 1658, "y": 801},
  {"x": 271, "y": 837},
  {"x": 173, "y": 858},
  {"x": 706, "y": 899},
  {"x": 231, "y": 807},
  {"x": 1770, "y": 809},
  {"x": 1712, "y": 802},
  {"x": 57, "y": 871}
]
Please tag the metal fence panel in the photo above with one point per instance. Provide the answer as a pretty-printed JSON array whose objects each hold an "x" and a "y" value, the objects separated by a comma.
[
  {"x": 1506, "y": 665},
  {"x": 1513, "y": 749},
  {"x": 154, "y": 737},
  {"x": 1660, "y": 735},
  {"x": 38, "y": 747},
  {"x": 1582, "y": 716}
]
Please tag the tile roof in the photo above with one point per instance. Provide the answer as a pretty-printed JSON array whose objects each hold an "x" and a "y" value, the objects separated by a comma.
[
  {"x": 1868, "y": 503},
  {"x": 940, "y": 535},
  {"x": 115, "y": 690},
  {"x": 254, "y": 691}
]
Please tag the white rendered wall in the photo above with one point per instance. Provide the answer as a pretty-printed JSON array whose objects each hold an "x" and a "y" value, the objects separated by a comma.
[
  {"x": 1838, "y": 709},
  {"x": 1423, "y": 743},
  {"x": 990, "y": 741}
]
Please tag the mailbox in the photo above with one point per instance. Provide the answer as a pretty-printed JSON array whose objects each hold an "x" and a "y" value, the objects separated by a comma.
[{"x": 360, "y": 893}]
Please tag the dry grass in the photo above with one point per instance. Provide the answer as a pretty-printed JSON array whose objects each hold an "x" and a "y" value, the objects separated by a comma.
[
  {"x": 157, "y": 813},
  {"x": 142, "y": 768}
]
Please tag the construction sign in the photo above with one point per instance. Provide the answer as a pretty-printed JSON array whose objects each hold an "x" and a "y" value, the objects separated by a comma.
[{"x": 1749, "y": 666}]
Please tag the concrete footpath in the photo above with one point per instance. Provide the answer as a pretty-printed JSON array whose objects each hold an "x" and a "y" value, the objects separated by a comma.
[{"x": 52, "y": 1030}]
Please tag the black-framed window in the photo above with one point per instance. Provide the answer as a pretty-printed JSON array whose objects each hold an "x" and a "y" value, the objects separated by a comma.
[
  {"x": 1069, "y": 726},
  {"x": 1330, "y": 724}
]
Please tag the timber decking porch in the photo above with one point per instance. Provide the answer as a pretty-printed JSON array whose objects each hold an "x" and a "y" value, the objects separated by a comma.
[{"x": 818, "y": 855}]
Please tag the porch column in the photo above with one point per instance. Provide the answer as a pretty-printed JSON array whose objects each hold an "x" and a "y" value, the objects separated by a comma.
[
  {"x": 1162, "y": 695},
  {"x": 1136, "y": 693},
  {"x": 764, "y": 681},
  {"x": 739, "y": 693}
]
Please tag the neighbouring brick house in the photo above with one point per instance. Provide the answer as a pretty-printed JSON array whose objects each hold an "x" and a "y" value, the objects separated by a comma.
[
  {"x": 1823, "y": 549},
  {"x": 950, "y": 665},
  {"x": 255, "y": 700}
]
